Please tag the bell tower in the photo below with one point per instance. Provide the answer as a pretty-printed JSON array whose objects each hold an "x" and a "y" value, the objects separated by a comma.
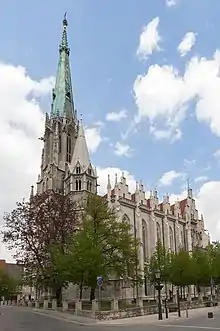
[{"x": 61, "y": 126}]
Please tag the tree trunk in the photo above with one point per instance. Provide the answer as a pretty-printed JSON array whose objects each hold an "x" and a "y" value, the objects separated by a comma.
[
  {"x": 58, "y": 294},
  {"x": 92, "y": 294},
  {"x": 81, "y": 287},
  {"x": 80, "y": 290}
]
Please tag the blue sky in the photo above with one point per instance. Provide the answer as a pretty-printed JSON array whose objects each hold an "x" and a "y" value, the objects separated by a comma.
[{"x": 104, "y": 37}]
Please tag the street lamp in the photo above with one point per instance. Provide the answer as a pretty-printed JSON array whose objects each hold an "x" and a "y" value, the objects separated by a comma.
[{"x": 158, "y": 287}]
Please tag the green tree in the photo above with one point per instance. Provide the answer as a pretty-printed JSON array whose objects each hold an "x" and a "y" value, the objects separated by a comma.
[
  {"x": 32, "y": 228},
  {"x": 8, "y": 285},
  {"x": 102, "y": 246},
  {"x": 180, "y": 270},
  {"x": 202, "y": 269},
  {"x": 160, "y": 260},
  {"x": 213, "y": 251}
]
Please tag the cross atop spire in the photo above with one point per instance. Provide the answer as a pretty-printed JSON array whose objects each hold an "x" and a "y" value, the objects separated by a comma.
[{"x": 62, "y": 104}]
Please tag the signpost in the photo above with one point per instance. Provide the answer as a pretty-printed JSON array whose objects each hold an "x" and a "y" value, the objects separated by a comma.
[{"x": 99, "y": 280}]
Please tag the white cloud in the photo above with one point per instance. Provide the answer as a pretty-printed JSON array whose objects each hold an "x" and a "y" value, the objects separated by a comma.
[
  {"x": 116, "y": 117},
  {"x": 168, "y": 178},
  {"x": 171, "y": 3},
  {"x": 187, "y": 43},
  {"x": 123, "y": 149},
  {"x": 149, "y": 39},
  {"x": 103, "y": 178},
  {"x": 201, "y": 179},
  {"x": 208, "y": 203},
  {"x": 163, "y": 95},
  {"x": 21, "y": 123},
  {"x": 217, "y": 155},
  {"x": 93, "y": 138}
]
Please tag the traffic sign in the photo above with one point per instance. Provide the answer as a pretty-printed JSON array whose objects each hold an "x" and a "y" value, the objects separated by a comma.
[{"x": 99, "y": 281}]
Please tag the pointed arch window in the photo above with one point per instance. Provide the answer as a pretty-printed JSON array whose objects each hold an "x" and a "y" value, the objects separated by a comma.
[
  {"x": 182, "y": 239},
  {"x": 77, "y": 185},
  {"x": 80, "y": 185},
  {"x": 60, "y": 143},
  {"x": 78, "y": 170},
  {"x": 145, "y": 240},
  {"x": 87, "y": 185},
  {"x": 68, "y": 148},
  {"x": 89, "y": 171},
  {"x": 171, "y": 239},
  {"x": 90, "y": 186},
  {"x": 158, "y": 232}
]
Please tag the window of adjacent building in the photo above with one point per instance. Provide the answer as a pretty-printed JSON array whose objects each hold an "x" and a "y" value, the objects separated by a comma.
[{"x": 68, "y": 148}]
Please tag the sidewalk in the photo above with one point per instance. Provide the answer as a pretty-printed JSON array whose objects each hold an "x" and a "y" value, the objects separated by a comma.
[
  {"x": 147, "y": 319},
  {"x": 152, "y": 319}
]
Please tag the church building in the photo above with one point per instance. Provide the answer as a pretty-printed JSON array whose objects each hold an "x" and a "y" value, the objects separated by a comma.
[{"x": 66, "y": 168}]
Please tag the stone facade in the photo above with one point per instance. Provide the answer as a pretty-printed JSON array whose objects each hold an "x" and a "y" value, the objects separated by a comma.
[{"x": 66, "y": 168}]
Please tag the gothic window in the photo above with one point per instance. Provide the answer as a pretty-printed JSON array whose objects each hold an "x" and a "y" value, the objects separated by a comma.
[
  {"x": 145, "y": 240},
  {"x": 171, "y": 239},
  {"x": 182, "y": 239},
  {"x": 126, "y": 220},
  {"x": 158, "y": 232},
  {"x": 80, "y": 185},
  {"x": 89, "y": 171},
  {"x": 77, "y": 185},
  {"x": 87, "y": 185},
  {"x": 60, "y": 143},
  {"x": 68, "y": 148},
  {"x": 90, "y": 187},
  {"x": 78, "y": 170}
]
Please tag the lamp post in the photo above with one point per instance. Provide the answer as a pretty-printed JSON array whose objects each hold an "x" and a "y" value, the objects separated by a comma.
[
  {"x": 178, "y": 301},
  {"x": 158, "y": 287}
]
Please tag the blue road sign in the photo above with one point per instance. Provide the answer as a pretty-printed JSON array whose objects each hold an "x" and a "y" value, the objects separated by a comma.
[{"x": 99, "y": 281}]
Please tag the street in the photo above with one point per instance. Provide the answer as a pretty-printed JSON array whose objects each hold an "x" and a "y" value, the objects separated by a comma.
[{"x": 16, "y": 319}]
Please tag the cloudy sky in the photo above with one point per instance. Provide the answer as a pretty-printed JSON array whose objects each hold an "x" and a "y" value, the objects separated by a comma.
[{"x": 146, "y": 77}]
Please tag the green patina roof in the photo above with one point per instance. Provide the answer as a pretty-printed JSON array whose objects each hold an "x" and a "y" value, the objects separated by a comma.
[{"x": 62, "y": 104}]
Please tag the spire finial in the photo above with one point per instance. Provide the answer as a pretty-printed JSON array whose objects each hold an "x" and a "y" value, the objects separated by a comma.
[
  {"x": 116, "y": 179},
  {"x": 109, "y": 183},
  {"x": 65, "y": 23},
  {"x": 188, "y": 183},
  {"x": 64, "y": 42},
  {"x": 32, "y": 192}
]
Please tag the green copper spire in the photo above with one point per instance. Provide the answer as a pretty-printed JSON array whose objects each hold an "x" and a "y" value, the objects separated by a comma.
[{"x": 62, "y": 104}]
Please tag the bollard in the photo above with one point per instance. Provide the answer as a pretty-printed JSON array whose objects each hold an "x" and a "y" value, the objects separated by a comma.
[
  {"x": 187, "y": 312},
  {"x": 166, "y": 308},
  {"x": 210, "y": 314}
]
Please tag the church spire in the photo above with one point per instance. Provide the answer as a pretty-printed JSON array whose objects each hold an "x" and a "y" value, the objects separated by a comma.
[
  {"x": 62, "y": 104},
  {"x": 80, "y": 153}
]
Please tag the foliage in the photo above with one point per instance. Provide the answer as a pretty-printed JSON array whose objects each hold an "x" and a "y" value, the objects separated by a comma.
[
  {"x": 103, "y": 246},
  {"x": 180, "y": 270},
  {"x": 8, "y": 285},
  {"x": 159, "y": 261},
  {"x": 202, "y": 269},
  {"x": 33, "y": 228}
]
